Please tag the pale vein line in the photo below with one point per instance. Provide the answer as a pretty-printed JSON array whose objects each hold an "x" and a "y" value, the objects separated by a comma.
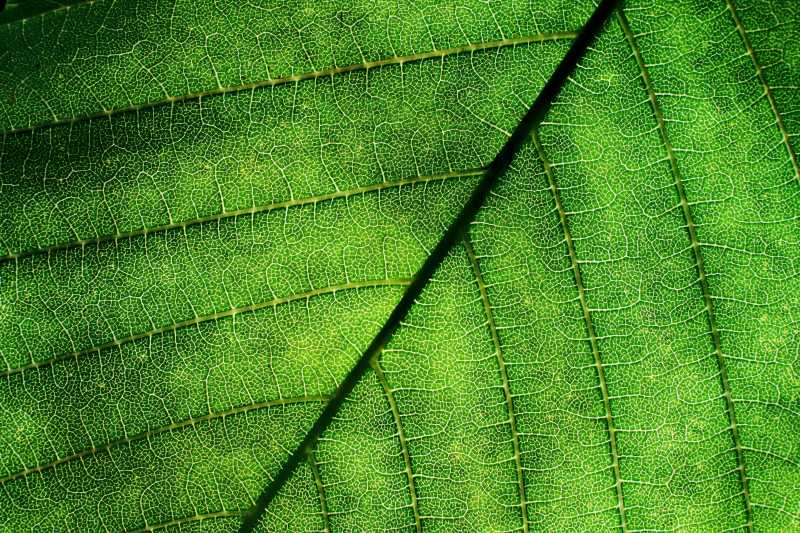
[
  {"x": 587, "y": 318},
  {"x": 326, "y": 72},
  {"x": 767, "y": 89},
  {"x": 401, "y": 436},
  {"x": 206, "y": 318},
  {"x": 240, "y": 212},
  {"x": 145, "y": 435},
  {"x": 701, "y": 270},
  {"x": 323, "y": 504},
  {"x": 512, "y": 420},
  {"x": 186, "y": 520}
]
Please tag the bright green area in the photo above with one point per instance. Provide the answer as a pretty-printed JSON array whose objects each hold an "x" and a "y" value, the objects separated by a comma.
[{"x": 185, "y": 279}]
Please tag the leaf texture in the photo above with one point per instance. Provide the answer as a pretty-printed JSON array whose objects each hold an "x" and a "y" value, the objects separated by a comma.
[{"x": 208, "y": 213}]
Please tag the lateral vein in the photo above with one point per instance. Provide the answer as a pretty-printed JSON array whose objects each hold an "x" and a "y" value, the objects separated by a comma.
[
  {"x": 206, "y": 318},
  {"x": 708, "y": 300},
  {"x": 115, "y": 237},
  {"x": 48, "y": 12},
  {"x": 773, "y": 104},
  {"x": 311, "y": 75},
  {"x": 186, "y": 520},
  {"x": 587, "y": 318},
  {"x": 501, "y": 363},
  {"x": 401, "y": 436},
  {"x": 95, "y": 450},
  {"x": 323, "y": 500}
]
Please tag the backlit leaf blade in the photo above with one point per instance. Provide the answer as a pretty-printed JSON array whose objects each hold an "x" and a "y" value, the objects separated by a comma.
[{"x": 378, "y": 161}]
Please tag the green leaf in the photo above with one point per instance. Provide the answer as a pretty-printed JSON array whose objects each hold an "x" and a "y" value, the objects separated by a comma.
[
  {"x": 19, "y": 9},
  {"x": 209, "y": 213}
]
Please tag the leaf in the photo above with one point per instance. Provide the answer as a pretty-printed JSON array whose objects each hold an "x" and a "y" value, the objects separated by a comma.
[
  {"x": 19, "y": 9},
  {"x": 208, "y": 215}
]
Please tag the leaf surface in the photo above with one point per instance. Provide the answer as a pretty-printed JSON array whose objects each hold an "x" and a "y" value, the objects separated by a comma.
[{"x": 209, "y": 213}]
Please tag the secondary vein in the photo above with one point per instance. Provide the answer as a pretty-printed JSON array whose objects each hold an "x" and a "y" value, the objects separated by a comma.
[
  {"x": 323, "y": 500},
  {"x": 205, "y": 318},
  {"x": 186, "y": 520},
  {"x": 501, "y": 363},
  {"x": 708, "y": 300},
  {"x": 587, "y": 318},
  {"x": 773, "y": 104},
  {"x": 401, "y": 436},
  {"x": 47, "y": 12},
  {"x": 311, "y": 75},
  {"x": 174, "y": 426},
  {"x": 115, "y": 237}
]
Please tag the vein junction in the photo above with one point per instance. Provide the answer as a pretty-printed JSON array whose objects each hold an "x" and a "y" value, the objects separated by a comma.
[{"x": 311, "y": 75}]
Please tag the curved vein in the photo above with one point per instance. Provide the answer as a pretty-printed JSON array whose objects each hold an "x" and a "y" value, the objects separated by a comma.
[
  {"x": 207, "y": 318},
  {"x": 311, "y": 75},
  {"x": 108, "y": 446},
  {"x": 700, "y": 265},
  {"x": 593, "y": 338},
  {"x": 767, "y": 89},
  {"x": 401, "y": 436},
  {"x": 100, "y": 239},
  {"x": 512, "y": 419}
]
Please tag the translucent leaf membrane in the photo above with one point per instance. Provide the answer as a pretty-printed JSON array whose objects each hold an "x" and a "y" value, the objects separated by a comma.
[
  {"x": 184, "y": 285},
  {"x": 261, "y": 150},
  {"x": 584, "y": 305},
  {"x": 103, "y": 55},
  {"x": 613, "y": 346},
  {"x": 737, "y": 158}
]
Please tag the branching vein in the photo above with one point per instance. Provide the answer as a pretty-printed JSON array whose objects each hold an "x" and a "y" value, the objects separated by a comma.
[
  {"x": 206, "y": 318},
  {"x": 115, "y": 237},
  {"x": 312, "y": 75},
  {"x": 187, "y": 520},
  {"x": 767, "y": 89},
  {"x": 88, "y": 452},
  {"x": 401, "y": 436},
  {"x": 323, "y": 500}
]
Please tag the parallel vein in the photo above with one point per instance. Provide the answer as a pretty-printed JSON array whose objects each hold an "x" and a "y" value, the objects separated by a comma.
[
  {"x": 587, "y": 317},
  {"x": 158, "y": 431},
  {"x": 100, "y": 239},
  {"x": 501, "y": 363},
  {"x": 206, "y": 318},
  {"x": 767, "y": 89},
  {"x": 708, "y": 300},
  {"x": 311, "y": 75}
]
